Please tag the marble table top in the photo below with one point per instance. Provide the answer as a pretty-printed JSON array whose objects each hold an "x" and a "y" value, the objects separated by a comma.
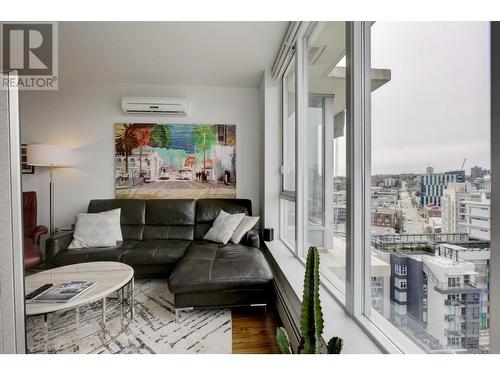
[{"x": 109, "y": 277}]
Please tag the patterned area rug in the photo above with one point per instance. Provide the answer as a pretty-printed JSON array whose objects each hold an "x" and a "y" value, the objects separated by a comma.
[{"x": 153, "y": 329}]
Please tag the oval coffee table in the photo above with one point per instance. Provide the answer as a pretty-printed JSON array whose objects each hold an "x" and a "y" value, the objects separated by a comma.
[{"x": 110, "y": 278}]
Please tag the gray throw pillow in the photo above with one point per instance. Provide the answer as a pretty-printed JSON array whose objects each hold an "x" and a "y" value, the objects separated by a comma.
[
  {"x": 223, "y": 227},
  {"x": 97, "y": 230},
  {"x": 246, "y": 224}
]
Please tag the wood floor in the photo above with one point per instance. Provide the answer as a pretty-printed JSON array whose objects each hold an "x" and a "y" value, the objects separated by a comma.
[{"x": 254, "y": 333}]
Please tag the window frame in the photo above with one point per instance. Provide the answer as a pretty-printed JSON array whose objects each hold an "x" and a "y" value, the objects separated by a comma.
[
  {"x": 333, "y": 285},
  {"x": 298, "y": 61},
  {"x": 291, "y": 64},
  {"x": 358, "y": 175},
  {"x": 288, "y": 195}
]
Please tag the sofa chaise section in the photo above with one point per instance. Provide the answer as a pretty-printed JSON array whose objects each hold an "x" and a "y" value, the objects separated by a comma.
[{"x": 212, "y": 274}]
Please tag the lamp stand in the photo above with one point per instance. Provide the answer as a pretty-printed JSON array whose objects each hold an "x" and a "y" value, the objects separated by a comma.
[{"x": 51, "y": 202}]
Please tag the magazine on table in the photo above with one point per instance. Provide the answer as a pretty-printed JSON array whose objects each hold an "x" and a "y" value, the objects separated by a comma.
[{"x": 64, "y": 292}]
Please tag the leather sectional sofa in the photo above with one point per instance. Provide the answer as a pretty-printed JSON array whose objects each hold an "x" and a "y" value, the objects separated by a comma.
[{"x": 164, "y": 237}]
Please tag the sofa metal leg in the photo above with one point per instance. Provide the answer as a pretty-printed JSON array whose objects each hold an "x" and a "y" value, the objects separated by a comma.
[{"x": 178, "y": 311}]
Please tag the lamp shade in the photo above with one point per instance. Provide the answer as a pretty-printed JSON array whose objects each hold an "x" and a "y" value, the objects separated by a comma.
[{"x": 49, "y": 155}]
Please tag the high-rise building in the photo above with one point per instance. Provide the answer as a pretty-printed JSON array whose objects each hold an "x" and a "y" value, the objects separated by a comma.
[
  {"x": 479, "y": 254},
  {"x": 482, "y": 183},
  {"x": 474, "y": 217},
  {"x": 432, "y": 185},
  {"x": 429, "y": 170},
  {"x": 453, "y": 303},
  {"x": 437, "y": 299},
  {"x": 408, "y": 293},
  {"x": 454, "y": 193},
  {"x": 478, "y": 172},
  {"x": 466, "y": 210}
]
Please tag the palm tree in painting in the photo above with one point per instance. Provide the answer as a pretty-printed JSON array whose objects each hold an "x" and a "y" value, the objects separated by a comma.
[
  {"x": 125, "y": 142},
  {"x": 143, "y": 136},
  {"x": 161, "y": 136},
  {"x": 204, "y": 138}
]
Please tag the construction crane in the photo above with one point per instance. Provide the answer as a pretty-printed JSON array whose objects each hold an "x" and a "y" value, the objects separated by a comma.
[{"x": 463, "y": 164}]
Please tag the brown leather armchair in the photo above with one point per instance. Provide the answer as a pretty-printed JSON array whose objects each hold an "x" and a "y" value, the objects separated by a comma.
[{"x": 32, "y": 232}]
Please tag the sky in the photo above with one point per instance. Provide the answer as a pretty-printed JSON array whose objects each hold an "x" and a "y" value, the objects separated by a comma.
[{"x": 436, "y": 108}]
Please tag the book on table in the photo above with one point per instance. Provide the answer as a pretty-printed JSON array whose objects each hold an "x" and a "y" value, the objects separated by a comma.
[{"x": 63, "y": 292}]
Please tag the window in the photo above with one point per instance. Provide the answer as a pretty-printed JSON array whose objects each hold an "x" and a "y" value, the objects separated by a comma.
[
  {"x": 402, "y": 174},
  {"x": 289, "y": 126},
  {"x": 288, "y": 196},
  {"x": 453, "y": 282},
  {"x": 419, "y": 136},
  {"x": 400, "y": 269},
  {"x": 475, "y": 312},
  {"x": 325, "y": 151},
  {"x": 318, "y": 174},
  {"x": 400, "y": 283},
  {"x": 466, "y": 279}
]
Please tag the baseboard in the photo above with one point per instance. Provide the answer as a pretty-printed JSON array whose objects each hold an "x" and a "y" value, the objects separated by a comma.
[
  {"x": 288, "y": 309},
  {"x": 291, "y": 326}
]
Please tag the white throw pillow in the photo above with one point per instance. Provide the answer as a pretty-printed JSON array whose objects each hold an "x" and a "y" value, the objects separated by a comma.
[
  {"x": 246, "y": 224},
  {"x": 223, "y": 227},
  {"x": 97, "y": 230}
]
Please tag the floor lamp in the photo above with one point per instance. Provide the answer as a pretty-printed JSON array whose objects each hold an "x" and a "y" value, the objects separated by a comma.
[{"x": 50, "y": 156}]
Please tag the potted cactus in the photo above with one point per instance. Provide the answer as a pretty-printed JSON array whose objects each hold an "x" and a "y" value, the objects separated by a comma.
[{"x": 311, "y": 317}]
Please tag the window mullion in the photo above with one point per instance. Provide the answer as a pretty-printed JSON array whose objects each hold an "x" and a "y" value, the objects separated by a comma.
[
  {"x": 367, "y": 253},
  {"x": 358, "y": 171}
]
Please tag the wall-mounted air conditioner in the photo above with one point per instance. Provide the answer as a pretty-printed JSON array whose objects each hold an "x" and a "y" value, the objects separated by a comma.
[{"x": 157, "y": 106}]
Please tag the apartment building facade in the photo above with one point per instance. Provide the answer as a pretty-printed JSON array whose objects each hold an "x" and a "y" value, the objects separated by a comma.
[
  {"x": 465, "y": 209},
  {"x": 433, "y": 185},
  {"x": 474, "y": 218},
  {"x": 478, "y": 172},
  {"x": 437, "y": 300},
  {"x": 478, "y": 254}
]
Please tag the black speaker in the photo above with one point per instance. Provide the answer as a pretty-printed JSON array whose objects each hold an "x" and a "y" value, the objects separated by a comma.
[{"x": 268, "y": 234}]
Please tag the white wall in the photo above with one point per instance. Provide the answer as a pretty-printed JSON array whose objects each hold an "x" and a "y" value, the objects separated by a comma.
[{"x": 82, "y": 116}]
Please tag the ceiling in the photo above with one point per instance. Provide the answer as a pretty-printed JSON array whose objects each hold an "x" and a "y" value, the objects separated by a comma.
[{"x": 229, "y": 54}]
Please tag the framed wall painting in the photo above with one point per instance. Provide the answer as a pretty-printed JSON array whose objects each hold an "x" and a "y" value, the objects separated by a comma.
[
  {"x": 25, "y": 168},
  {"x": 155, "y": 160}
]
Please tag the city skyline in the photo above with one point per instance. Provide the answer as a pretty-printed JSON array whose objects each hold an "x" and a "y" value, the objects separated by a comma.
[
  {"x": 444, "y": 114},
  {"x": 466, "y": 169},
  {"x": 430, "y": 112}
]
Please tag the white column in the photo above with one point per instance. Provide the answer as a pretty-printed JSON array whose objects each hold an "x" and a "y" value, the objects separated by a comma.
[{"x": 11, "y": 251}]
